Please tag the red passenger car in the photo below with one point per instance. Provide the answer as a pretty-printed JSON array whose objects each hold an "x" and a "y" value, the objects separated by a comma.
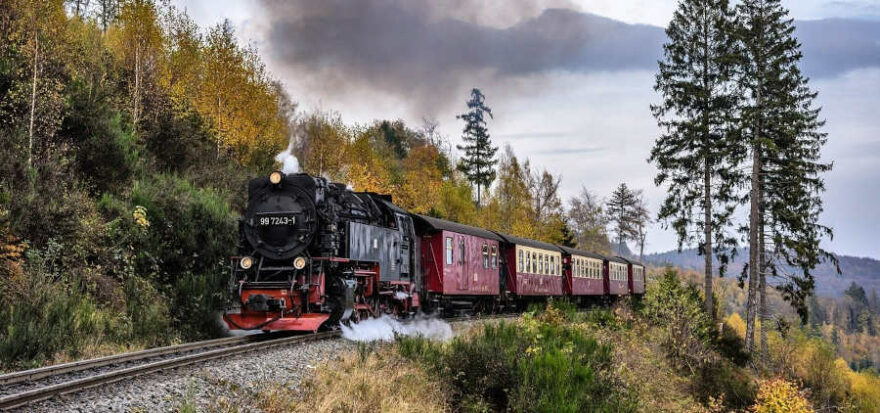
[
  {"x": 584, "y": 274},
  {"x": 458, "y": 261},
  {"x": 636, "y": 272},
  {"x": 617, "y": 274},
  {"x": 532, "y": 267}
]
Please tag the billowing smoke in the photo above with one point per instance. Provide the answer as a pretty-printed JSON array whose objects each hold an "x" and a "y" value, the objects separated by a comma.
[
  {"x": 428, "y": 54},
  {"x": 431, "y": 55},
  {"x": 385, "y": 328},
  {"x": 289, "y": 163}
]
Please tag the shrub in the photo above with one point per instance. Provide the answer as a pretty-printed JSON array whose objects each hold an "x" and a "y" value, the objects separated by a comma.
[
  {"x": 781, "y": 396},
  {"x": 688, "y": 329},
  {"x": 43, "y": 315},
  {"x": 531, "y": 366}
]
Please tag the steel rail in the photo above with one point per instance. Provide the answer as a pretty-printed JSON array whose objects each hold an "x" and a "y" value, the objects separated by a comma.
[
  {"x": 43, "y": 393},
  {"x": 75, "y": 366},
  {"x": 252, "y": 343}
]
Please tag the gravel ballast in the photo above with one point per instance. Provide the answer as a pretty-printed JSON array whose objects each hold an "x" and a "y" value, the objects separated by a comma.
[{"x": 209, "y": 384}]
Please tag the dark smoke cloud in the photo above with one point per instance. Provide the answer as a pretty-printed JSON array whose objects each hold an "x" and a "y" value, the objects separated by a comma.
[{"x": 416, "y": 50}]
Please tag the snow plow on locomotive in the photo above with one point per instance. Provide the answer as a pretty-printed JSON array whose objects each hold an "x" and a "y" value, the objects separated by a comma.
[{"x": 314, "y": 254}]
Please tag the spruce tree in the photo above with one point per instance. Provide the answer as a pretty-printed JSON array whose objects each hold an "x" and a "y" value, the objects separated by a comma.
[
  {"x": 698, "y": 152},
  {"x": 782, "y": 128},
  {"x": 622, "y": 214},
  {"x": 478, "y": 163}
]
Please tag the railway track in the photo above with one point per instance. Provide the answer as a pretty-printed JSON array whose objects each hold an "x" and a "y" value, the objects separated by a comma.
[{"x": 52, "y": 381}]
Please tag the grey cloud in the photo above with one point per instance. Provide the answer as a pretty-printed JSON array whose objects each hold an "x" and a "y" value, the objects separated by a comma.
[{"x": 412, "y": 50}]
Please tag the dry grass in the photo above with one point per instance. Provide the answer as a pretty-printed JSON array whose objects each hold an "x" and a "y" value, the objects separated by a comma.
[
  {"x": 639, "y": 363},
  {"x": 378, "y": 381},
  {"x": 370, "y": 380}
]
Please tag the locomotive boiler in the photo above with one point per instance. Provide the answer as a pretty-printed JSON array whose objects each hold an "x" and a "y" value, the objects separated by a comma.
[{"x": 314, "y": 253}]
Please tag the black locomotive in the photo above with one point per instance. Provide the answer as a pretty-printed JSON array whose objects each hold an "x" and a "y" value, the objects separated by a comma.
[{"x": 314, "y": 252}]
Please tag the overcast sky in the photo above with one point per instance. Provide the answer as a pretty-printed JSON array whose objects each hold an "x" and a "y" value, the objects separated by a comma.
[{"x": 570, "y": 89}]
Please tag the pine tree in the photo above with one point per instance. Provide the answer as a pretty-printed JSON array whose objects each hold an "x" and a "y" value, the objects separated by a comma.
[
  {"x": 479, "y": 161},
  {"x": 698, "y": 152},
  {"x": 782, "y": 128},
  {"x": 622, "y": 215}
]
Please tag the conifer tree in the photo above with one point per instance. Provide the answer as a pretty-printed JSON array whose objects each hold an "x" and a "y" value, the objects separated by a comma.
[
  {"x": 697, "y": 152},
  {"x": 782, "y": 128},
  {"x": 479, "y": 160},
  {"x": 622, "y": 214}
]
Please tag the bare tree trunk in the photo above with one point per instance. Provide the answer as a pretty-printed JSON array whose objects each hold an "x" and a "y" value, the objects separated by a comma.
[
  {"x": 762, "y": 303},
  {"x": 754, "y": 223},
  {"x": 219, "y": 129},
  {"x": 707, "y": 251},
  {"x": 36, "y": 68},
  {"x": 137, "y": 86}
]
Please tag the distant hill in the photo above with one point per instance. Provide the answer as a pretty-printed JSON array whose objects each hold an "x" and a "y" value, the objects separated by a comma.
[{"x": 864, "y": 271}]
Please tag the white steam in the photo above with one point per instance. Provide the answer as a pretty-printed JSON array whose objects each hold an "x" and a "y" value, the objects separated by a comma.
[
  {"x": 289, "y": 163},
  {"x": 385, "y": 327}
]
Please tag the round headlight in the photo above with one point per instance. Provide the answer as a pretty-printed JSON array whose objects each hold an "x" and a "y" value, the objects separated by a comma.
[
  {"x": 275, "y": 177},
  {"x": 246, "y": 262},
  {"x": 299, "y": 263}
]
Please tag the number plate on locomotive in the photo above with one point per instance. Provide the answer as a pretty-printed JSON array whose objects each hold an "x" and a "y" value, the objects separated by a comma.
[{"x": 275, "y": 220}]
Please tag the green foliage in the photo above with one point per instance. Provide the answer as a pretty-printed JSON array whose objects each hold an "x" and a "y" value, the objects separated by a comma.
[
  {"x": 191, "y": 229},
  {"x": 42, "y": 316},
  {"x": 106, "y": 154},
  {"x": 531, "y": 366},
  {"x": 479, "y": 160}
]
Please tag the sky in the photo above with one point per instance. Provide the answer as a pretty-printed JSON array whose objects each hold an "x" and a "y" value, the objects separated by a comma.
[{"x": 569, "y": 81}]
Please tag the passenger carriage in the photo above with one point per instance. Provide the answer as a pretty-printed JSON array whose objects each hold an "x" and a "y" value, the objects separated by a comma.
[
  {"x": 636, "y": 273},
  {"x": 584, "y": 274},
  {"x": 460, "y": 263},
  {"x": 617, "y": 275},
  {"x": 532, "y": 268}
]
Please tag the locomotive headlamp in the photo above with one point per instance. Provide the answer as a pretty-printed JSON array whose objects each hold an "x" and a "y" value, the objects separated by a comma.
[
  {"x": 299, "y": 263},
  {"x": 275, "y": 177},
  {"x": 246, "y": 262}
]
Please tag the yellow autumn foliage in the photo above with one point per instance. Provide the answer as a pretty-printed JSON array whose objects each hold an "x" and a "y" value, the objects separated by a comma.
[{"x": 781, "y": 396}]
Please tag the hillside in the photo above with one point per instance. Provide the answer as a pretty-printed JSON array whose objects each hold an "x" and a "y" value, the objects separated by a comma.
[{"x": 861, "y": 270}]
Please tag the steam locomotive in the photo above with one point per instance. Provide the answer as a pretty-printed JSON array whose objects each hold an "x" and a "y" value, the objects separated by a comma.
[{"x": 314, "y": 253}]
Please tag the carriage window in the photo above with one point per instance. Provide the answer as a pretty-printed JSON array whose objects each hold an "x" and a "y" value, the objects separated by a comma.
[
  {"x": 534, "y": 263},
  {"x": 449, "y": 250},
  {"x": 519, "y": 261},
  {"x": 528, "y": 262},
  {"x": 485, "y": 255},
  {"x": 494, "y": 256},
  {"x": 553, "y": 265}
]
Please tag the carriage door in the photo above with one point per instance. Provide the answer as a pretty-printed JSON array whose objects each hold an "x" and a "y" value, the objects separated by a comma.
[
  {"x": 404, "y": 252},
  {"x": 464, "y": 266}
]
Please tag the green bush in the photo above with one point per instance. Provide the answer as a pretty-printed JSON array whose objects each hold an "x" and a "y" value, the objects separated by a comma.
[
  {"x": 42, "y": 315},
  {"x": 182, "y": 229},
  {"x": 195, "y": 302},
  {"x": 533, "y": 366},
  {"x": 688, "y": 330}
]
